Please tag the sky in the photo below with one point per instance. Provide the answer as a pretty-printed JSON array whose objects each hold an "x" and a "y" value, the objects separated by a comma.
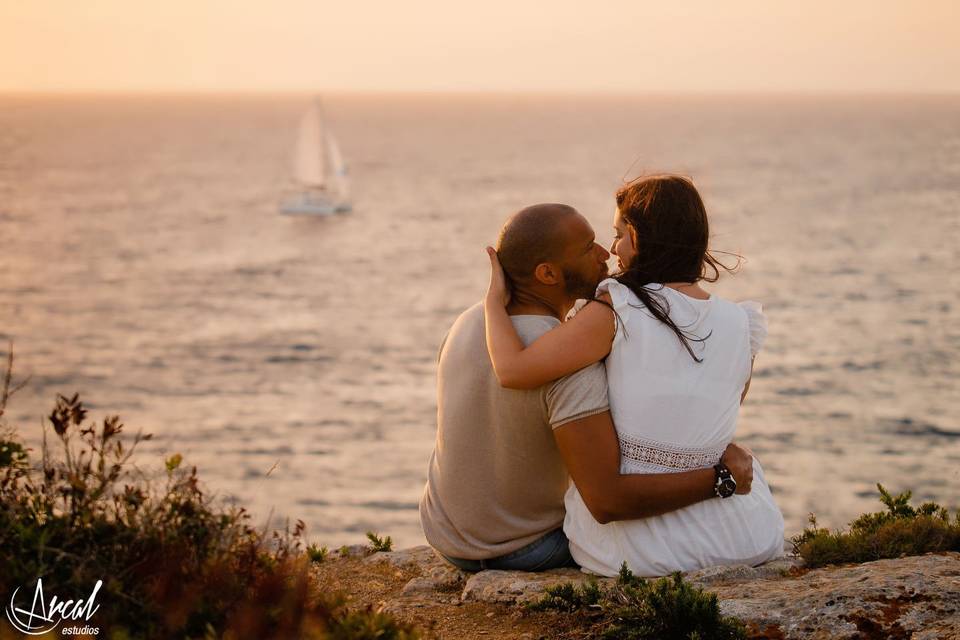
[{"x": 621, "y": 46}]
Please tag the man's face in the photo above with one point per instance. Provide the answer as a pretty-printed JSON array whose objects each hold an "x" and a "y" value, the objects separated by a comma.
[{"x": 584, "y": 261}]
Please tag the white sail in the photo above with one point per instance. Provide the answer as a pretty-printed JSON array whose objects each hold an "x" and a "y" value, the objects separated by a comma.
[
  {"x": 318, "y": 168},
  {"x": 338, "y": 167},
  {"x": 308, "y": 164}
]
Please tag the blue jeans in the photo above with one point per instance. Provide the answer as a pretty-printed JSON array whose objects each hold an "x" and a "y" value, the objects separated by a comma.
[{"x": 549, "y": 552}]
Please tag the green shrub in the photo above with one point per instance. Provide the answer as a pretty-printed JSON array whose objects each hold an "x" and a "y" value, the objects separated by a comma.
[
  {"x": 379, "y": 544},
  {"x": 174, "y": 564},
  {"x": 638, "y": 609},
  {"x": 317, "y": 554},
  {"x": 901, "y": 530},
  {"x": 569, "y": 597}
]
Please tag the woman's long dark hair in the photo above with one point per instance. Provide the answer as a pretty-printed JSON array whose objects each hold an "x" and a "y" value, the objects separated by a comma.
[{"x": 672, "y": 234}]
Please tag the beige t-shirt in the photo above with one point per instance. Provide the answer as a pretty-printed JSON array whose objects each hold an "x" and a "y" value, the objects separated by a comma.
[{"x": 496, "y": 479}]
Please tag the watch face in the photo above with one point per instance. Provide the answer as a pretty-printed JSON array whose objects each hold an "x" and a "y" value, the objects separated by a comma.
[{"x": 727, "y": 487}]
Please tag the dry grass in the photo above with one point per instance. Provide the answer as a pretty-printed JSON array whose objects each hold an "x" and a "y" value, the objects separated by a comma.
[{"x": 173, "y": 563}]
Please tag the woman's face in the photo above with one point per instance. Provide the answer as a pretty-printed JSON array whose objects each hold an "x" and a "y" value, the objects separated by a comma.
[{"x": 624, "y": 241}]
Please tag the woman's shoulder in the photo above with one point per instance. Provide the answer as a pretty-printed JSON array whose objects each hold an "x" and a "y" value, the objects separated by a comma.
[
  {"x": 749, "y": 310},
  {"x": 613, "y": 291},
  {"x": 608, "y": 284},
  {"x": 619, "y": 296},
  {"x": 756, "y": 324},
  {"x": 749, "y": 316}
]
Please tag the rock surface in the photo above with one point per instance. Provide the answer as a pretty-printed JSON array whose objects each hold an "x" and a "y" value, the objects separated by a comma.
[
  {"x": 916, "y": 597},
  {"x": 516, "y": 587},
  {"x": 351, "y": 551},
  {"x": 422, "y": 556}
]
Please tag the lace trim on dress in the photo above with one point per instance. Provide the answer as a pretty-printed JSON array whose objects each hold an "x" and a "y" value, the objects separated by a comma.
[{"x": 668, "y": 457}]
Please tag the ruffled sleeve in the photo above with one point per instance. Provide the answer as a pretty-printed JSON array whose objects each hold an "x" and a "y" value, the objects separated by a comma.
[
  {"x": 757, "y": 325},
  {"x": 619, "y": 298}
]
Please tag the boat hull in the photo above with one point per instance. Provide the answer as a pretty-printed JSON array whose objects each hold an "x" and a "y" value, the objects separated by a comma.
[{"x": 311, "y": 207}]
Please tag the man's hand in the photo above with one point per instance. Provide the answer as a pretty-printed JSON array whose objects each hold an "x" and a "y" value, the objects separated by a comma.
[{"x": 739, "y": 460}]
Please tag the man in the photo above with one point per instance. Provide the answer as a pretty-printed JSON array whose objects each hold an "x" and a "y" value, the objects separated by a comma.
[{"x": 499, "y": 470}]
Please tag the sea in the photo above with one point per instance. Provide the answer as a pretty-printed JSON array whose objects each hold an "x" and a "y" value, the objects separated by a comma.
[{"x": 292, "y": 360}]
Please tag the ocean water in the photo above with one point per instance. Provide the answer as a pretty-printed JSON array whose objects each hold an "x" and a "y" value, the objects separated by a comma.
[{"x": 145, "y": 266}]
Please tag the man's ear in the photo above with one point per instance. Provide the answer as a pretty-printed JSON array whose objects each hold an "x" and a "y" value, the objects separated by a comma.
[{"x": 546, "y": 273}]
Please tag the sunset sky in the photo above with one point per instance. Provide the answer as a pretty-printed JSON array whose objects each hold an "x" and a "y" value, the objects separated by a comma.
[{"x": 507, "y": 45}]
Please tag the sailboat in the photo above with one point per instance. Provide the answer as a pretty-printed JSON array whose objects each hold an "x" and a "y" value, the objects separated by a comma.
[{"x": 318, "y": 169}]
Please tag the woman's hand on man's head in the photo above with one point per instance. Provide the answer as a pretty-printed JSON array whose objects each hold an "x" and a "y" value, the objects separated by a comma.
[{"x": 498, "y": 292}]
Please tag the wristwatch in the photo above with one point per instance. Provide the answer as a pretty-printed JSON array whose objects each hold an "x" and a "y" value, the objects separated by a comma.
[{"x": 724, "y": 485}]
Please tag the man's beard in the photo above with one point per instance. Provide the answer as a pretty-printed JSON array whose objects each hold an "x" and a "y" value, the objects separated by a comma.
[{"x": 576, "y": 286}]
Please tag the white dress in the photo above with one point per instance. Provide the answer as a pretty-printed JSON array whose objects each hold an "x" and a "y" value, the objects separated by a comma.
[{"x": 673, "y": 414}]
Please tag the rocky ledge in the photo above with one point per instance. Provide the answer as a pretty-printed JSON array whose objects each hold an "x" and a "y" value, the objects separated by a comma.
[{"x": 913, "y": 597}]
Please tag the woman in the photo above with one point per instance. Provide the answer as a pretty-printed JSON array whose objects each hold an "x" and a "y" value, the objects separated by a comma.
[{"x": 678, "y": 361}]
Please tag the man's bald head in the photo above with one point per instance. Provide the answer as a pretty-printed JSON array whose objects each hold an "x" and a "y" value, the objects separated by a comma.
[{"x": 532, "y": 236}]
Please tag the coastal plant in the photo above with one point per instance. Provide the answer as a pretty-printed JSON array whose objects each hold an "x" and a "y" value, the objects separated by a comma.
[
  {"x": 379, "y": 544},
  {"x": 569, "y": 597},
  {"x": 900, "y": 530},
  {"x": 317, "y": 554},
  {"x": 637, "y": 609},
  {"x": 173, "y": 563},
  {"x": 13, "y": 455}
]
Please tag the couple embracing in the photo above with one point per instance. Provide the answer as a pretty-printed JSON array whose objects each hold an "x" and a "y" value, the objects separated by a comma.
[{"x": 608, "y": 437}]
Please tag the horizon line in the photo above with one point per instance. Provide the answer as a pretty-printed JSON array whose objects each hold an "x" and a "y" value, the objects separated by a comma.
[{"x": 172, "y": 92}]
